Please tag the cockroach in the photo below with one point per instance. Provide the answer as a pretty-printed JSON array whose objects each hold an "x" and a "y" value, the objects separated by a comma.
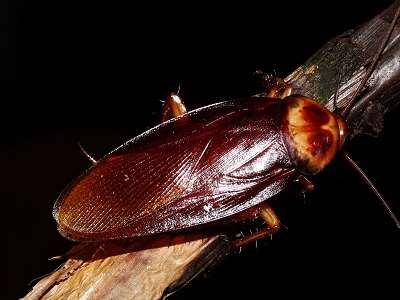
[{"x": 212, "y": 165}]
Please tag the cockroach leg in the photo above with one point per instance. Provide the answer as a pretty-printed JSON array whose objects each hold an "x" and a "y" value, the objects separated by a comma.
[
  {"x": 270, "y": 217},
  {"x": 273, "y": 225},
  {"x": 306, "y": 184},
  {"x": 279, "y": 89},
  {"x": 172, "y": 108},
  {"x": 274, "y": 87}
]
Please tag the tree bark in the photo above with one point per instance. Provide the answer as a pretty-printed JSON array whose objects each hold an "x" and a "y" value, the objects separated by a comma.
[{"x": 154, "y": 268}]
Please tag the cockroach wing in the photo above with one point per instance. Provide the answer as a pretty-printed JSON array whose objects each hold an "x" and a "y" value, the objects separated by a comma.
[{"x": 208, "y": 165}]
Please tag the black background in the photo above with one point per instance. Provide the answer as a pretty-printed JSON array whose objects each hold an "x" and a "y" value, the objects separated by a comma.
[{"x": 95, "y": 73}]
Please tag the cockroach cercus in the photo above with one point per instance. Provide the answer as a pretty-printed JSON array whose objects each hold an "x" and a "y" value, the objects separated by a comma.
[{"x": 211, "y": 165}]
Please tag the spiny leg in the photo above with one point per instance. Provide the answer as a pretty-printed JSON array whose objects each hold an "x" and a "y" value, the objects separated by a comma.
[
  {"x": 273, "y": 225},
  {"x": 173, "y": 107},
  {"x": 279, "y": 89},
  {"x": 306, "y": 185},
  {"x": 274, "y": 87}
]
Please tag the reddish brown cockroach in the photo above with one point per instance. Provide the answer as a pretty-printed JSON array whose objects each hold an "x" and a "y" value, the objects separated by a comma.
[
  {"x": 212, "y": 165},
  {"x": 205, "y": 166}
]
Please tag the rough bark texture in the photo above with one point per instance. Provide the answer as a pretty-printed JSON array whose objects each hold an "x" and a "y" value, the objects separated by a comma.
[{"x": 151, "y": 269}]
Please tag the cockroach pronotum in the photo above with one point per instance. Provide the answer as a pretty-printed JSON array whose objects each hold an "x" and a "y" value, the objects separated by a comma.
[{"x": 209, "y": 166}]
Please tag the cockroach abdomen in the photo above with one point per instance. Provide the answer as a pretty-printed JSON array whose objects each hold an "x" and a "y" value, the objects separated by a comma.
[{"x": 205, "y": 168}]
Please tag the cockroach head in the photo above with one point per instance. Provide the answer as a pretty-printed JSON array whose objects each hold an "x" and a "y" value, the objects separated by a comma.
[{"x": 313, "y": 134}]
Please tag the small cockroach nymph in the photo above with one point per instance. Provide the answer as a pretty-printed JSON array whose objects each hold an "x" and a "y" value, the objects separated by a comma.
[{"x": 212, "y": 165}]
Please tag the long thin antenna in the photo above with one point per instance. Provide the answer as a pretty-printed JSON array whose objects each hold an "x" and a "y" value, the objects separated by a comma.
[
  {"x": 372, "y": 67},
  {"x": 336, "y": 95},
  {"x": 372, "y": 186}
]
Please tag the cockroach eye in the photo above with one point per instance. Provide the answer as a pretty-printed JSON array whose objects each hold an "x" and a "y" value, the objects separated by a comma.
[{"x": 343, "y": 130}]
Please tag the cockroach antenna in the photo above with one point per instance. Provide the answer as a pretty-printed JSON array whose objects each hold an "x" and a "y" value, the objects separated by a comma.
[
  {"x": 352, "y": 102},
  {"x": 370, "y": 70},
  {"x": 336, "y": 95},
  {"x": 373, "y": 188},
  {"x": 88, "y": 156}
]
